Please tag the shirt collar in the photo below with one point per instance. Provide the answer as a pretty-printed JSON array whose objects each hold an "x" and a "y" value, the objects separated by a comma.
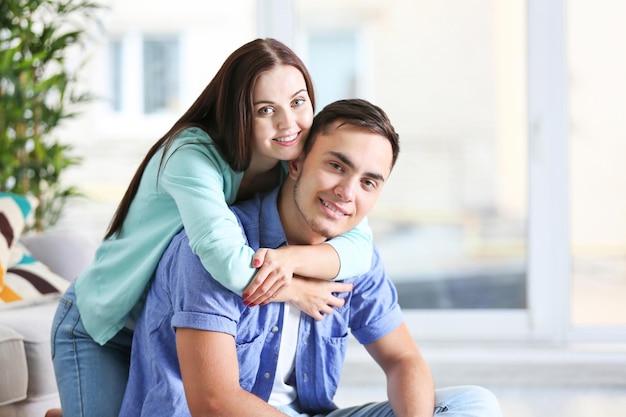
[{"x": 272, "y": 231}]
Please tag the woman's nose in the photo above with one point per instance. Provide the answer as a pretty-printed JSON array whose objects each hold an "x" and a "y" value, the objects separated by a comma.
[{"x": 286, "y": 119}]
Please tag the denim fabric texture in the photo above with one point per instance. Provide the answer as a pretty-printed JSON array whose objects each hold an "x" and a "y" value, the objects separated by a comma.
[{"x": 85, "y": 369}]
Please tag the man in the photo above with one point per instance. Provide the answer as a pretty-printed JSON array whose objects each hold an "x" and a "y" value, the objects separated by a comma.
[{"x": 199, "y": 350}]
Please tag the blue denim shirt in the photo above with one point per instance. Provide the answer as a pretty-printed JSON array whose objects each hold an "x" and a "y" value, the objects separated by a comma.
[{"x": 184, "y": 295}]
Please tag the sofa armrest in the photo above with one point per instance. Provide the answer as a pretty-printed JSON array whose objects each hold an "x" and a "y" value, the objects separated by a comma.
[
  {"x": 14, "y": 375},
  {"x": 65, "y": 252}
]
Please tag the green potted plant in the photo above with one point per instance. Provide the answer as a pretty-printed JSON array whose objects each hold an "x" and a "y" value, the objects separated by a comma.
[{"x": 38, "y": 91}]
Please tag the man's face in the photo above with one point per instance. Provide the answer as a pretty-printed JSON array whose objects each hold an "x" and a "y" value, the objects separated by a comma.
[{"x": 339, "y": 181}]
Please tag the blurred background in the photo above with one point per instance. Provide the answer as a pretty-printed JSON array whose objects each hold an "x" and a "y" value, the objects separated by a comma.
[{"x": 504, "y": 224}]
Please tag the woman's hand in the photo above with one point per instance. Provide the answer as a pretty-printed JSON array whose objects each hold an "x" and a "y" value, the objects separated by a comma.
[
  {"x": 314, "y": 297},
  {"x": 276, "y": 269}
]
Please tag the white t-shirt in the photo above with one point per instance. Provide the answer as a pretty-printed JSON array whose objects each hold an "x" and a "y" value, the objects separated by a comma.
[{"x": 282, "y": 393}]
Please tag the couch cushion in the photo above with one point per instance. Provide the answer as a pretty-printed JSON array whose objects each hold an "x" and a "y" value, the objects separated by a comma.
[
  {"x": 14, "y": 210},
  {"x": 23, "y": 279},
  {"x": 13, "y": 369}
]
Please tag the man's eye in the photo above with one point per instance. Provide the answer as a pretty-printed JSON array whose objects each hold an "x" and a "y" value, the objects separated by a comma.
[
  {"x": 369, "y": 183},
  {"x": 336, "y": 166}
]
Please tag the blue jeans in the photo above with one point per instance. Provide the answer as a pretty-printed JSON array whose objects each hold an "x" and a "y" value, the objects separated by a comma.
[
  {"x": 461, "y": 401},
  {"x": 91, "y": 377}
]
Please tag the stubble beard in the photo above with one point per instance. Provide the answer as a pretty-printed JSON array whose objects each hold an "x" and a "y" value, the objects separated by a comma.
[{"x": 314, "y": 225}]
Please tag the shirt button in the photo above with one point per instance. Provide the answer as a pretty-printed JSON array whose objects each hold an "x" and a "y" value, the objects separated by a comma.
[
  {"x": 267, "y": 375},
  {"x": 275, "y": 329}
]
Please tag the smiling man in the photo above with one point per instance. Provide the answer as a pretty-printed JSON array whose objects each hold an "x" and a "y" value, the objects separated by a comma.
[{"x": 199, "y": 350}]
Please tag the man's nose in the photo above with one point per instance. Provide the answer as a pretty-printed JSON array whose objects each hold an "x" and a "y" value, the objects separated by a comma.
[{"x": 345, "y": 189}]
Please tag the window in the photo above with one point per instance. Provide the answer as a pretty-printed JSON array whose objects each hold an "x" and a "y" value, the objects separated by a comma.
[
  {"x": 451, "y": 224},
  {"x": 332, "y": 62},
  {"x": 144, "y": 74}
]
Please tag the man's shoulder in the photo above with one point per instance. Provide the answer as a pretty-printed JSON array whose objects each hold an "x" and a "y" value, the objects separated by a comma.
[
  {"x": 259, "y": 219},
  {"x": 248, "y": 211}
]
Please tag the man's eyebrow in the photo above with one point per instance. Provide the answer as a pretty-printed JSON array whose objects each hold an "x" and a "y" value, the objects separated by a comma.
[
  {"x": 304, "y": 90},
  {"x": 343, "y": 158}
]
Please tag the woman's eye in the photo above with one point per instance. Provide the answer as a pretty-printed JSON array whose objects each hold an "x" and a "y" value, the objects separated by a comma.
[
  {"x": 266, "y": 110},
  {"x": 298, "y": 102}
]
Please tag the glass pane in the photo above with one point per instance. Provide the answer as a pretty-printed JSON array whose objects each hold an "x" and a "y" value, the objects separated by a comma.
[
  {"x": 332, "y": 58},
  {"x": 115, "y": 49},
  {"x": 598, "y": 148},
  {"x": 451, "y": 225},
  {"x": 160, "y": 68}
]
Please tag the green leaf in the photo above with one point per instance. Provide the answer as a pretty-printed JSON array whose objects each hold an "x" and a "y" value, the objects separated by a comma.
[{"x": 37, "y": 92}]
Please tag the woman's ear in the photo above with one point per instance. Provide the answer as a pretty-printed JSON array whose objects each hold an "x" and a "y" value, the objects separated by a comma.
[{"x": 295, "y": 165}]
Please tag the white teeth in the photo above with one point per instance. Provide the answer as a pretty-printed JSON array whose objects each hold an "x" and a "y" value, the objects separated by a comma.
[
  {"x": 287, "y": 138},
  {"x": 334, "y": 210}
]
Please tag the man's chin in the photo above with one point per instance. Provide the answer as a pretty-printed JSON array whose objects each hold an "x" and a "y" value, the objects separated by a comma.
[{"x": 328, "y": 232}]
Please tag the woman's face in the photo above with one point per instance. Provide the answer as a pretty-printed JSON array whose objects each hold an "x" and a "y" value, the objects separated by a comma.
[{"x": 283, "y": 114}]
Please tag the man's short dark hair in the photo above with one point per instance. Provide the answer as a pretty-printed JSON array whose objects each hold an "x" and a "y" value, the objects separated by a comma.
[{"x": 358, "y": 113}]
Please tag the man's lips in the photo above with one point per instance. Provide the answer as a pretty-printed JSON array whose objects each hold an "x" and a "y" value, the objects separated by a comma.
[{"x": 333, "y": 209}]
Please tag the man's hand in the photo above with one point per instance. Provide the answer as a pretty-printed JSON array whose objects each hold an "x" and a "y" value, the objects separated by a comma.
[{"x": 313, "y": 296}]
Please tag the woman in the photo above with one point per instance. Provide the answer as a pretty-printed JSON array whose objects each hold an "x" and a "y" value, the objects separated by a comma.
[{"x": 255, "y": 112}]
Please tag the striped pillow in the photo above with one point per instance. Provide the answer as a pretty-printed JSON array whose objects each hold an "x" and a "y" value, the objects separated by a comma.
[
  {"x": 23, "y": 279},
  {"x": 29, "y": 281},
  {"x": 14, "y": 209}
]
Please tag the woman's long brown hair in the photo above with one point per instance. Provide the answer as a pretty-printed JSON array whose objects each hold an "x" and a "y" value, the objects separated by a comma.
[{"x": 223, "y": 110}]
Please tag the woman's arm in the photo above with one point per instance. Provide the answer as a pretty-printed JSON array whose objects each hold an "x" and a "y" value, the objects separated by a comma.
[
  {"x": 341, "y": 257},
  {"x": 202, "y": 185}
]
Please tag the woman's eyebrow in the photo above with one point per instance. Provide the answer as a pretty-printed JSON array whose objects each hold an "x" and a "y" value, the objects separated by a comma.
[{"x": 304, "y": 90}]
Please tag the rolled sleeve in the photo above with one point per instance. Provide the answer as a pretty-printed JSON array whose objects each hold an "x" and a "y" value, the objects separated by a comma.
[
  {"x": 202, "y": 321},
  {"x": 199, "y": 302},
  {"x": 379, "y": 328}
]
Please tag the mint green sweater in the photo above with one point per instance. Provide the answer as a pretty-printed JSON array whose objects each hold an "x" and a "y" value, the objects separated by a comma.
[{"x": 192, "y": 189}]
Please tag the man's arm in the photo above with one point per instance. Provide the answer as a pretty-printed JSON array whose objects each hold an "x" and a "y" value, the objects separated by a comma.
[
  {"x": 210, "y": 372},
  {"x": 410, "y": 386}
]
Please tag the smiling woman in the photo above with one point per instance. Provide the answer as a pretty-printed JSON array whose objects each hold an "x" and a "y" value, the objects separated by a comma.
[{"x": 283, "y": 114}]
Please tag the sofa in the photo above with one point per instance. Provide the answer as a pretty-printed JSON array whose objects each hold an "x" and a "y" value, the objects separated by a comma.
[{"x": 27, "y": 381}]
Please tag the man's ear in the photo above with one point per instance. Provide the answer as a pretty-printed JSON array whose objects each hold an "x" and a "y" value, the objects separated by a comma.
[{"x": 295, "y": 166}]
